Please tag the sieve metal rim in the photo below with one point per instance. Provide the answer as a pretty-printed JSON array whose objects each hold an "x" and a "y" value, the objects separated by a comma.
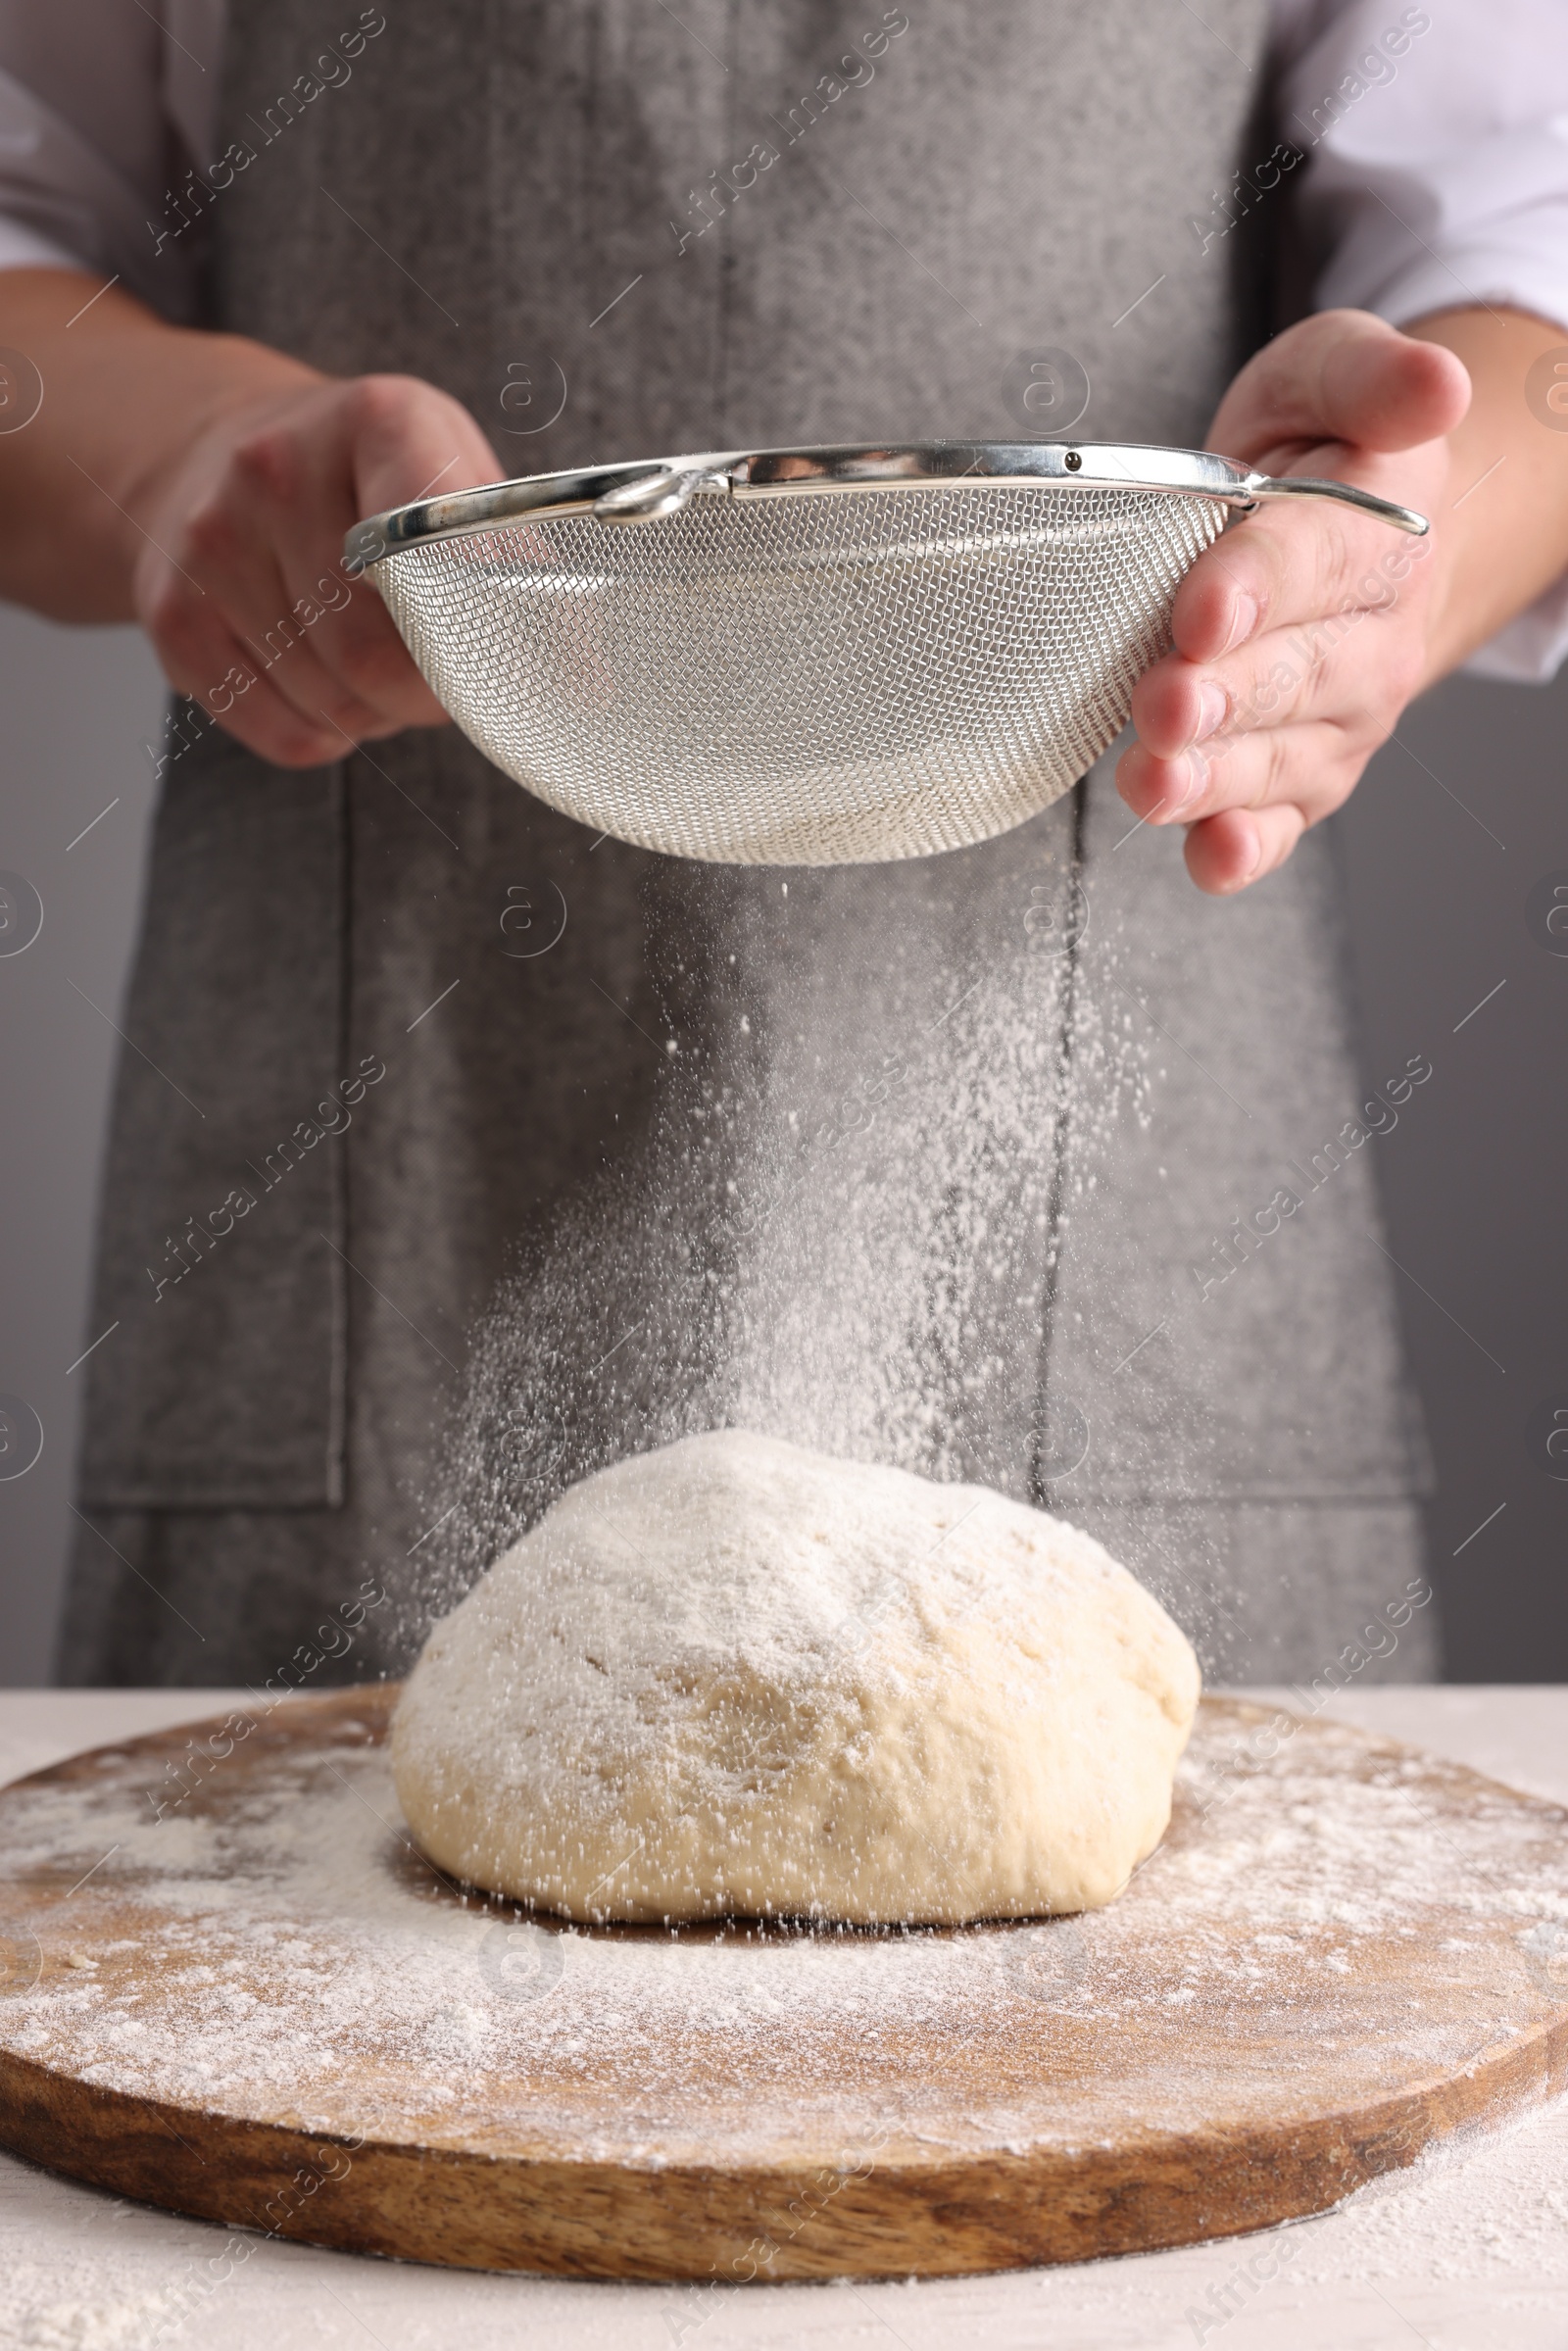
[{"x": 643, "y": 490}]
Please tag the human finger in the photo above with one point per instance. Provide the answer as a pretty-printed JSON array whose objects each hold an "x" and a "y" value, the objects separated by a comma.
[
  {"x": 1290, "y": 565},
  {"x": 204, "y": 660},
  {"x": 231, "y": 548},
  {"x": 291, "y": 496},
  {"x": 1355, "y": 666},
  {"x": 1342, "y": 376},
  {"x": 1311, "y": 765},
  {"x": 1229, "y": 851}
]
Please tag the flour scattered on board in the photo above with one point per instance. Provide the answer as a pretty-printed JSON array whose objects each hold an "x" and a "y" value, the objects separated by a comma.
[{"x": 1335, "y": 1920}]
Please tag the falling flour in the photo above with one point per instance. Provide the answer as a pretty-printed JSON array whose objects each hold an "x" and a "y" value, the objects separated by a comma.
[{"x": 841, "y": 1228}]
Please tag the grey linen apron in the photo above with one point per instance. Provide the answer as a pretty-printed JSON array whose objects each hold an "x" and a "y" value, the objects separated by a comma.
[{"x": 461, "y": 1151}]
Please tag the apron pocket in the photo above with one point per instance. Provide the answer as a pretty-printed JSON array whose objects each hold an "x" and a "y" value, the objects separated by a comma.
[{"x": 222, "y": 1384}]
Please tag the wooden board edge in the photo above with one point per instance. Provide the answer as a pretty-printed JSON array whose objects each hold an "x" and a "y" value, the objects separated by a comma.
[{"x": 683, "y": 2224}]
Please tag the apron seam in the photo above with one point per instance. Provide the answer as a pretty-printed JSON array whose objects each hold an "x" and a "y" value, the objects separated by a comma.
[{"x": 1039, "y": 1486}]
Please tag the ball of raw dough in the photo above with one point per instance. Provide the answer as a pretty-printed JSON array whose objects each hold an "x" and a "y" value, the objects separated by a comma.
[{"x": 735, "y": 1676}]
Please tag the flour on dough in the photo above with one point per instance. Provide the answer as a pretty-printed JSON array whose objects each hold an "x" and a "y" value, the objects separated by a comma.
[{"x": 732, "y": 1676}]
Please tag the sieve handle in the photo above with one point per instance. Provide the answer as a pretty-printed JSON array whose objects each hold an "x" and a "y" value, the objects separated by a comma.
[{"x": 1307, "y": 485}]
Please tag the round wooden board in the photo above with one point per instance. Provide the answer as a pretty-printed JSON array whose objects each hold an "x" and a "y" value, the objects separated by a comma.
[{"x": 233, "y": 1987}]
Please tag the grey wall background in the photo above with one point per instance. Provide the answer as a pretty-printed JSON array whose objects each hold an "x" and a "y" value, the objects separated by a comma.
[
  {"x": 1457, "y": 831},
  {"x": 78, "y": 706},
  {"x": 1460, "y": 821}
]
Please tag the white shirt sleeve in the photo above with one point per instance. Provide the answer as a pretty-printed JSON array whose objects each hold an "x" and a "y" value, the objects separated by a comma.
[
  {"x": 1437, "y": 178},
  {"x": 103, "y": 106}
]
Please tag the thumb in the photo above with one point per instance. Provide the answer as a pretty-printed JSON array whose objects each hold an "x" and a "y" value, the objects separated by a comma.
[
  {"x": 1345, "y": 376},
  {"x": 407, "y": 440}
]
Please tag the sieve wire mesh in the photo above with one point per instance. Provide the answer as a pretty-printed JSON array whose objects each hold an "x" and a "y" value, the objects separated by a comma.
[{"x": 804, "y": 678}]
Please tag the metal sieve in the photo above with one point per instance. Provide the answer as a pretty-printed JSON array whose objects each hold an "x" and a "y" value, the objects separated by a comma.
[{"x": 809, "y": 656}]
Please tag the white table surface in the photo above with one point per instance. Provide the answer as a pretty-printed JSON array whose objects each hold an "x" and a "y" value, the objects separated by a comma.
[{"x": 1469, "y": 2249}]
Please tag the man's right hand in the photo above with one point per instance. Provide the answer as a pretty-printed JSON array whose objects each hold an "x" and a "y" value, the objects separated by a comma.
[
  {"x": 203, "y": 485},
  {"x": 240, "y": 583}
]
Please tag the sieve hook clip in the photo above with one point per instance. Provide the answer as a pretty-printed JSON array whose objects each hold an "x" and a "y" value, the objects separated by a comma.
[{"x": 670, "y": 491}]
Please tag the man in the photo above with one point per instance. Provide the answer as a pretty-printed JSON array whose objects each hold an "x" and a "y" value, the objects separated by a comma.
[{"x": 1058, "y": 1244}]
